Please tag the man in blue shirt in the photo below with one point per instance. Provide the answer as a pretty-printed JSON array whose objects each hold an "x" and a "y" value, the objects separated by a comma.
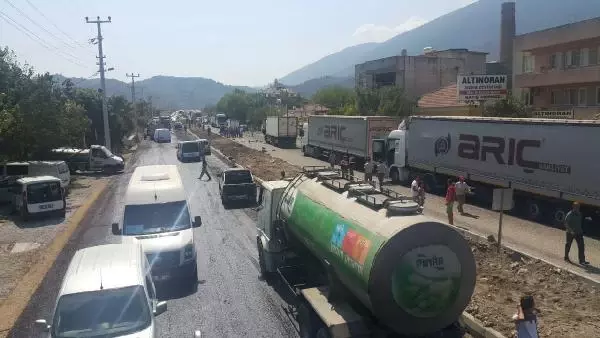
[{"x": 575, "y": 232}]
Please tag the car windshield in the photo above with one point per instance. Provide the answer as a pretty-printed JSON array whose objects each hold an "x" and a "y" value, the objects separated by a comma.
[
  {"x": 191, "y": 147},
  {"x": 103, "y": 313},
  {"x": 43, "y": 192},
  {"x": 238, "y": 177},
  {"x": 155, "y": 218}
]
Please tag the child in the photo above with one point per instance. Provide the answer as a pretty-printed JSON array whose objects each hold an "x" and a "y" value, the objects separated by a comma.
[{"x": 526, "y": 318}]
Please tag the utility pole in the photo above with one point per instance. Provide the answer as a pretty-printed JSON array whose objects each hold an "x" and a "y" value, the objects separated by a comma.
[
  {"x": 101, "y": 57},
  {"x": 135, "y": 112}
]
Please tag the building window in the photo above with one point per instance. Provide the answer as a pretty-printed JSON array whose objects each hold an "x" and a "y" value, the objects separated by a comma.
[
  {"x": 593, "y": 56},
  {"x": 528, "y": 63},
  {"x": 571, "y": 96},
  {"x": 573, "y": 58},
  {"x": 554, "y": 96},
  {"x": 553, "y": 61},
  {"x": 582, "y": 97}
]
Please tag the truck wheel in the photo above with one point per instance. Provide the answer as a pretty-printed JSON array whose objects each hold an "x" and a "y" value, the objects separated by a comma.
[
  {"x": 395, "y": 175},
  {"x": 559, "y": 216},
  {"x": 323, "y": 333},
  {"x": 534, "y": 210},
  {"x": 308, "y": 321}
]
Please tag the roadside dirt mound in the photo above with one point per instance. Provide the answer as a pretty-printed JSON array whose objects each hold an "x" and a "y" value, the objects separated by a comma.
[
  {"x": 568, "y": 305},
  {"x": 262, "y": 164}
]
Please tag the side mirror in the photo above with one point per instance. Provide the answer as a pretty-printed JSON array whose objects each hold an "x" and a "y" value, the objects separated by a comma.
[
  {"x": 160, "y": 308},
  {"x": 42, "y": 325},
  {"x": 115, "y": 229},
  {"x": 197, "y": 221}
]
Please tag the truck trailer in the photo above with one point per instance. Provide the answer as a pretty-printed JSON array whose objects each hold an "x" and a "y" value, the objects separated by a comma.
[
  {"x": 344, "y": 135},
  {"x": 359, "y": 261},
  {"x": 281, "y": 131},
  {"x": 548, "y": 163}
]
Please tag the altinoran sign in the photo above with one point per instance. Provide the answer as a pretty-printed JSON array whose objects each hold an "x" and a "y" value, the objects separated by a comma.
[{"x": 481, "y": 87}]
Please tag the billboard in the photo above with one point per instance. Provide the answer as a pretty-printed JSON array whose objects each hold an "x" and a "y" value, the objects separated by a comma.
[{"x": 481, "y": 87}]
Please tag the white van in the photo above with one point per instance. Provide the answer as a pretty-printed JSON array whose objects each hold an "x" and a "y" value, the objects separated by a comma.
[
  {"x": 106, "y": 292},
  {"x": 58, "y": 169},
  {"x": 189, "y": 151},
  {"x": 162, "y": 135},
  {"x": 38, "y": 195},
  {"x": 157, "y": 213}
]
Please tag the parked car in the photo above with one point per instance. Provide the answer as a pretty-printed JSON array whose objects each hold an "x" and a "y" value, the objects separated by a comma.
[
  {"x": 95, "y": 158},
  {"x": 237, "y": 184},
  {"x": 38, "y": 195},
  {"x": 178, "y": 126}
]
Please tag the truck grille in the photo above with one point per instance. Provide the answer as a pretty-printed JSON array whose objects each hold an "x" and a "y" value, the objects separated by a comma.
[{"x": 163, "y": 260}]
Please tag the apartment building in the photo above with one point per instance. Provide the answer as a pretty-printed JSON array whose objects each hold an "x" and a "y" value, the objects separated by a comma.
[{"x": 558, "y": 69}]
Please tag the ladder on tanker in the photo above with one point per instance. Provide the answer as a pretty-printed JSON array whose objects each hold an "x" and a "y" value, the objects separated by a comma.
[{"x": 365, "y": 193}]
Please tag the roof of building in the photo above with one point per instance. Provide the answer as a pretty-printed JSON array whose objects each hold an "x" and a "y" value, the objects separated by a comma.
[
  {"x": 443, "y": 97},
  {"x": 108, "y": 266}
]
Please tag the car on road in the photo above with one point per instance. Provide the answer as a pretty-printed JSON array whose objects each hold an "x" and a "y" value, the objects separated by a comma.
[
  {"x": 157, "y": 214},
  {"x": 106, "y": 292},
  {"x": 237, "y": 184},
  {"x": 162, "y": 135},
  {"x": 38, "y": 195},
  {"x": 178, "y": 126},
  {"x": 189, "y": 151}
]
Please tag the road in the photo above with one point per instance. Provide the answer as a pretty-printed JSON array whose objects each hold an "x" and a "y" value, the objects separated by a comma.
[{"x": 230, "y": 300}]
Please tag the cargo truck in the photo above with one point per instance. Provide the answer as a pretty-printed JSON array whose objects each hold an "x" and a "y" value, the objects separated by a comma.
[
  {"x": 359, "y": 261},
  {"x": 281, "y": 131},
  {"x": 221, "y": 120},
  {"x": 344, "y": 135},
  {"x": 548, "y": 163}
]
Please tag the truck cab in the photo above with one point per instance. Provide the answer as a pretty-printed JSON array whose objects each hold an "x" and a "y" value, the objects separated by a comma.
[{"x": 392, "y": 150}]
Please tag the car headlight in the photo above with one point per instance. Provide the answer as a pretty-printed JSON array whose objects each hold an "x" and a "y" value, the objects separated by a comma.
[{"x": 188, "y": 252}]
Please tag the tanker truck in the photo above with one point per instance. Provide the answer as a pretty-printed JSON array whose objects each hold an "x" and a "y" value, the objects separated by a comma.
[{"x": 359, "y": 261}]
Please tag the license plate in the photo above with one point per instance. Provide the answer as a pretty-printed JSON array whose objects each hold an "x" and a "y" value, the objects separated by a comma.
[
  {"x": 161, "y": 277},
  {"x": 46, "y": 206}
]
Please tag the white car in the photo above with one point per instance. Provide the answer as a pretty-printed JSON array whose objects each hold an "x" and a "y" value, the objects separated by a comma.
[
  {"x": 106, "y": 292},
  {"x": 38, "y": 195}
]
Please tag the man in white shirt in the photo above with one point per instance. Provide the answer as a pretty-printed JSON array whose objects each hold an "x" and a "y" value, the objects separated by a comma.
[
  {"x": 414, "y": 189},
  {"x": 381, "y": 172},
  {"x": 462, "y": 189}
]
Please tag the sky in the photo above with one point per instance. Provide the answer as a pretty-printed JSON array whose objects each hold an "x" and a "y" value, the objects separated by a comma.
[{"x": 235, "y": 42}]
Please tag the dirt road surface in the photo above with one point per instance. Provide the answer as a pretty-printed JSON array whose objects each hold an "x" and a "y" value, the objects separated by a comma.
[{"x": 569, "y": 305}]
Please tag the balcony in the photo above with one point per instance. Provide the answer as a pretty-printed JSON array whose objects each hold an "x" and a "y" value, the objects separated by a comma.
[{"x": 557, "y": 77}]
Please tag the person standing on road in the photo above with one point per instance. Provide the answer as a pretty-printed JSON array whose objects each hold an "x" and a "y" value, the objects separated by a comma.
[
  {"x": 204, "y": 169},
  {"x": 450, "y": 198},
  {"x": 574, "y": 231},
  {"x": 414, "y": 188},
  {"x": 369, "y": 167},
  {"x": 462, "y": 189},
  {"x": 381, "y": 171}
]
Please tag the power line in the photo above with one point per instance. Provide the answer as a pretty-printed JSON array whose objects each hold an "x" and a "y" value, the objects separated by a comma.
[
  {"x": 53, "y": 24},
  {"x": 39, "y": 40},
  {"x": 37, "y": 24}
]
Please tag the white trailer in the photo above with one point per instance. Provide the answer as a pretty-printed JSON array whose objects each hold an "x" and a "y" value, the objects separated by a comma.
[
  {"x": 281, "y": 131},
  {"x": 548, "y": 163}
]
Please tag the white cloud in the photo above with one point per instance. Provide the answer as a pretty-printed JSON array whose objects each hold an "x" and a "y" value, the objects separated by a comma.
[{"x": 376, "y": 33}]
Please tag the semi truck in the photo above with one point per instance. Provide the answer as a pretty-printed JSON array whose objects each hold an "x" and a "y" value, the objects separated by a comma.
[
  {"x": 281, "y": 131},
  {"x": 548, "y": 164},
  {"x": 361, "y": 262},
  {"x": 344, "y": 135},
  {"x": 221, "y": 120}
]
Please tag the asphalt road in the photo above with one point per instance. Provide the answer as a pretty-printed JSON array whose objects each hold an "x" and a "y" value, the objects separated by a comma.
[{"x": 229, "y": 301}]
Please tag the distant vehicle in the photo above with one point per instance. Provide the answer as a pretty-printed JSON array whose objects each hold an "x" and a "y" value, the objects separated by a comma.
[
  {"x": 178, "y": 126},
  {"x": 96, "y": 158},
  {"x": 221, "y": 120},
  {"x": 237, "y": 184},
  {"x": 162, "y": 135},
  {"x": 38, "y": 195},
  {"x": 189, "y": 151},
  {"x": 281, "y": 131},
  {"x": 106, "y": 292},
  {"x": 157, "y": 214}
]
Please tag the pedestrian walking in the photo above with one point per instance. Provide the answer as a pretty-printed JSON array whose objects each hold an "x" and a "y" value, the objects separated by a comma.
[
  {"x": 450, "y": 198},
  {"x": 574, "y": 231},
  {"x": 381, "y": 171},
  {"x": 332, "y": 159},
  {"x": 525, "y": 319},
  {"x": 351, "y": 163},
  {"x": 344, "y": 166},
  {"x": 204, "y": 169},
  {"x": 369, "y": 168},
  {"x": 462, "y": 189},
  {"x": 414, "y": 188}
]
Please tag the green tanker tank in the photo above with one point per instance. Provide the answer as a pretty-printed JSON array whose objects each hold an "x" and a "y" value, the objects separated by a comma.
[{"x": 415, "y": 274}]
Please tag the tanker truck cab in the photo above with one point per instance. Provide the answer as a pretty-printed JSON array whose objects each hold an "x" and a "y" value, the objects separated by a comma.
[{"x": 157, "y": 214}]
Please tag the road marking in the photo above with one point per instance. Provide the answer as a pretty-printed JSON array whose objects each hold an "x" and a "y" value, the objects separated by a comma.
[{"x": 17, "y": 301}]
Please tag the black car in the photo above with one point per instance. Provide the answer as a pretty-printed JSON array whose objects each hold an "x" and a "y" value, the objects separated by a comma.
[
  {"x": 178, "y": 126},
  {"x": 237, "y": 184}
]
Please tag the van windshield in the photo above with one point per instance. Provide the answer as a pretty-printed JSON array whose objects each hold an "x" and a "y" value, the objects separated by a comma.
[
  {"x": 156, "y": 218},
  {"x": 191, "y": 147},
  {"x": 43, "y": 192},
  {"x": 102, "y": 313}
]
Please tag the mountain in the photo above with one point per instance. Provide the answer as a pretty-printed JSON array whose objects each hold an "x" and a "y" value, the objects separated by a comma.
[
  {"x": 166, "y": 91},
  {"x": 476, "y": 27},
  {"x": 310, "y": 87}
]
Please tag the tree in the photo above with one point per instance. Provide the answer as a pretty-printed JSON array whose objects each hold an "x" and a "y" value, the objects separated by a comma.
[
  {"x": 393, "y": 102},
  {"x": 339, "y": 100},
  {"x": 367, "y": 101},
  {"x": 509, "y": 107}
]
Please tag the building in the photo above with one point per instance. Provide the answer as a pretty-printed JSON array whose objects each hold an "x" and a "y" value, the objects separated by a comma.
[
  {"x": 443, "y": 102},
  {"x": 558, "y": 69},
  {"x": 308, "y": 109},
  {"x": 420, "y": 74}
]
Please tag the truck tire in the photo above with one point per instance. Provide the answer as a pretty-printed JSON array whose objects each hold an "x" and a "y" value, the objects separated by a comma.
[
  {"x": 323, "y": 333},
  {"x": 559, "y": 215},
  {"x": 308, "y": 321},
  {"x": 534, "y": 210}
]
